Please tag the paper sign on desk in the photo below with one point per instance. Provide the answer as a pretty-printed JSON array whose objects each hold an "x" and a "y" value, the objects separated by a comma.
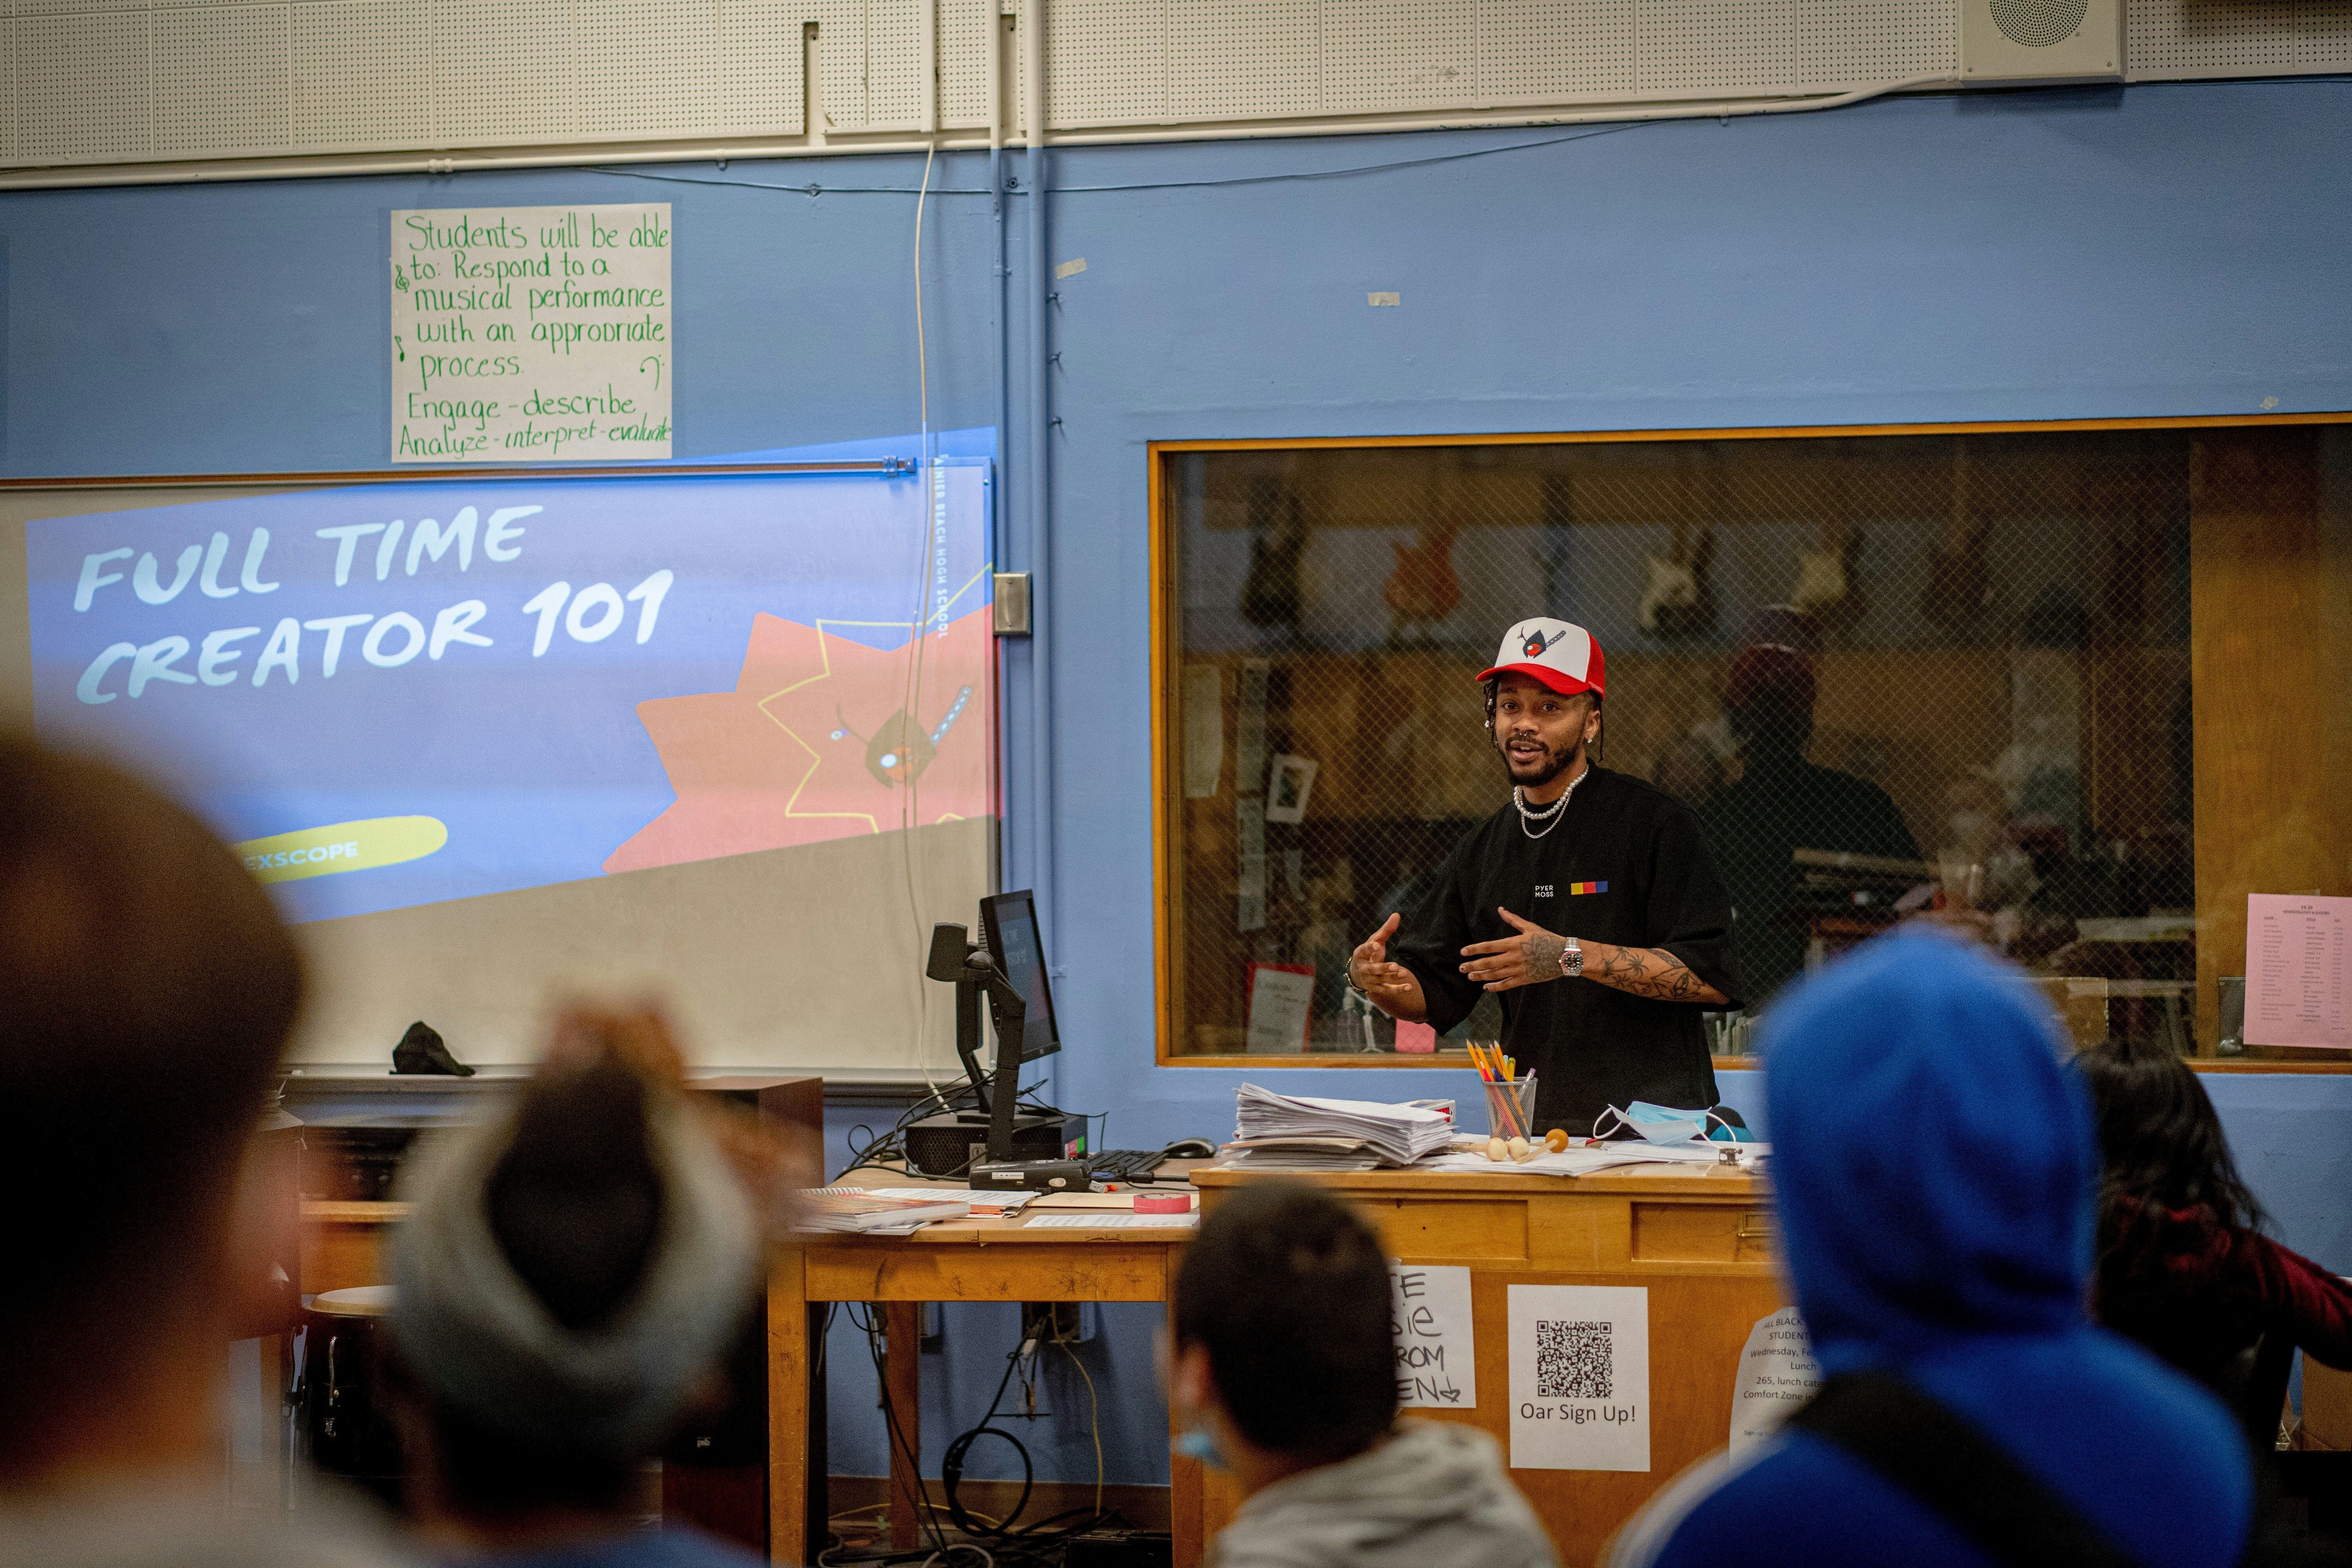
[
  {"x": 2295, "y": 971},
  {"x": 1580, "y": 1377},
  {"x": 1777, "y": 1373},
  {"x": 1437, "y": 1354}
]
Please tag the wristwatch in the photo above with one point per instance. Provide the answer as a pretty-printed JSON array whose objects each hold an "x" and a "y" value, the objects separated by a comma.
[{"x": 1571, "y": 959}]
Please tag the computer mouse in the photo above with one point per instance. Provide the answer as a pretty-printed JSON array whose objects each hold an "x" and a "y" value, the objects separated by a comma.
[{"x": 1191, "y": 1149}]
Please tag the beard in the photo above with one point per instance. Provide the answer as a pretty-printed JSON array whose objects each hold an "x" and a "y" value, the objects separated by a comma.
[{"x": 1549, "y": 765}]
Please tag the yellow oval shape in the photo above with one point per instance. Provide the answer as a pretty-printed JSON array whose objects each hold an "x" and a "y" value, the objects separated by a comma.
[{"x": 341, "y": 846}]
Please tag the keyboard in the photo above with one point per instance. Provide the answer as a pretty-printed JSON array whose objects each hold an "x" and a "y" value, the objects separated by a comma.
[{"x": 1124, "y": 1164}]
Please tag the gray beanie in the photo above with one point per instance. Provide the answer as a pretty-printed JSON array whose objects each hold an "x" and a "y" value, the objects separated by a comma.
[{"x": 478, "y": 1336}]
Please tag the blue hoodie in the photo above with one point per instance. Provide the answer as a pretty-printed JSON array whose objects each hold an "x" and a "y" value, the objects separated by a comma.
[{"x": 1935, "y": 1166}]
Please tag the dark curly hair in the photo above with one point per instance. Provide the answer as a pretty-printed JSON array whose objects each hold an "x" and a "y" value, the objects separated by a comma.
[{"x": 1287, "y": 1287}]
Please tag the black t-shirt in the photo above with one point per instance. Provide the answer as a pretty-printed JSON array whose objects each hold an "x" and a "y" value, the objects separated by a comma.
[{"x": 1623, "y": 864}]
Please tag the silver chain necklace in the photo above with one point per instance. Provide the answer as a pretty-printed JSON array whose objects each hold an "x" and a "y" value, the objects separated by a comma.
[{"x": 1550, "y": 814}]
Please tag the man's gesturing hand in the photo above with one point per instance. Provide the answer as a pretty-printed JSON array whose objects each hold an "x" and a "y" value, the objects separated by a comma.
[
  {"x": 1527, "y": 958},
  {"x": 1391, "y": 987}
]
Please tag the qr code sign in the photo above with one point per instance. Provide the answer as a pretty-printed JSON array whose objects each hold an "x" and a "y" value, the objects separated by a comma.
[{"x": 1572, "y": 1361}]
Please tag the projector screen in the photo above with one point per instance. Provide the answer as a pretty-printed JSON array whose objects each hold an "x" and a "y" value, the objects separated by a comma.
[{"x": 729, "y": 740}]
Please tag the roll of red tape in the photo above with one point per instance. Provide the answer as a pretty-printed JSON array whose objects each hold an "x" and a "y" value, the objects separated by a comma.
[{"x": 1163, "y": 1203}]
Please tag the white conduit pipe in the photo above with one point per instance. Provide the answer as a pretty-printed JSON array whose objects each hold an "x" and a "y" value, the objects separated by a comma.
[
  {"x": 928, "y": 67},
  {"x": 1000, "y": 274},
  {"x": 345, "y": 165},
  {"x": 1000, "y": 517},
  {"x": 1042, "y": 596}
]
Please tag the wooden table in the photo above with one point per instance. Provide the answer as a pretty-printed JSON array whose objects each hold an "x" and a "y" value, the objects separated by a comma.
[
  {"x": 960, "y": 1260},
  {"x": 1698, "y": 1237}
]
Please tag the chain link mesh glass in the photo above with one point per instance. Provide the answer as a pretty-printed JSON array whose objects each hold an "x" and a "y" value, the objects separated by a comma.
[{"x": 1984, "y": 637}]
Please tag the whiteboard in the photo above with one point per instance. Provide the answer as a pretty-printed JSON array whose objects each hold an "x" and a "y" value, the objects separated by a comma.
[{"x": 742, "y": 761}]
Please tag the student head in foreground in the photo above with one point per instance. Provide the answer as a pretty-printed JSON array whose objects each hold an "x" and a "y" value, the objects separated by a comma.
[
  {"x": 1934, "y": 1170},
  {"x": 568, "y": 1280},
  {"x": 1282, "y": 1366},
  {"x": 147, "y": 990},
  {"x": 2183, "y": 1265}
]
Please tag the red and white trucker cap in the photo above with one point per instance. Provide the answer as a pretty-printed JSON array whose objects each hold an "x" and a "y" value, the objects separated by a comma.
[{"x": 1563, "y": 656}]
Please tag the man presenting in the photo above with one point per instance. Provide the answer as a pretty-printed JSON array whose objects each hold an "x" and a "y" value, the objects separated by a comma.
[{"x": 1589, "y": 903}]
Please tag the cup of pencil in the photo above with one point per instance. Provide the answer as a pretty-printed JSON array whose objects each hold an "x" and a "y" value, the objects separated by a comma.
[
  {"x": 1510, "y": 1098},
  {"x": 1511, "y": 1109}
]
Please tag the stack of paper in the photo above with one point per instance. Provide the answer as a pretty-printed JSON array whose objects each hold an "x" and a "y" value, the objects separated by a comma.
[
  {"x": 986, "y": 1201},
  {"x": 1394, "y": 1134},
  {"x": 858, "y": 1209},
  {"x": 1299, "y": 1155}
]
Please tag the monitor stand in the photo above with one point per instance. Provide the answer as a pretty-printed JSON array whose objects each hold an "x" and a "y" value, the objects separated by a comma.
[{"x": 996, "y": 1092}]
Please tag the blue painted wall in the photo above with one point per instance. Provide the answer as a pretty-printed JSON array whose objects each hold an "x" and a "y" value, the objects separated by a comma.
[{"x": 2160, "y": 250}]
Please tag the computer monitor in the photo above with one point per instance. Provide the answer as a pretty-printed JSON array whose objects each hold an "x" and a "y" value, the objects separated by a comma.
[{"x": 1008, "y": 929}]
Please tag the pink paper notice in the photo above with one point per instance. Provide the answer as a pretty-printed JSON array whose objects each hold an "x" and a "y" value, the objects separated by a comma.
[{"x": 2296, "y": 953}]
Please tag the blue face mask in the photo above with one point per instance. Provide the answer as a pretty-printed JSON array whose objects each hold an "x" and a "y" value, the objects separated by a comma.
[
  {"x": 1666, "y": 1124},
  {"x": 1196, "y": 1443},
  {"x": 1657, "y": 1123}
]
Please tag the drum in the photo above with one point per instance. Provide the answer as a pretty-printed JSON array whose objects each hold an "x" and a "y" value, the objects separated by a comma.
[{"x": 347, "y": 1427}]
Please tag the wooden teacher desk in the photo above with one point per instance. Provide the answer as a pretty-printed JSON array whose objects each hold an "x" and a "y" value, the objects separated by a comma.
[
  {"x": 1698, "y": 1237},
  {"x": 957, "y": 1260}
]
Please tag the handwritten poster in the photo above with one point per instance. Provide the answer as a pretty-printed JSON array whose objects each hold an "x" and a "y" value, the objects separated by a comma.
[
  {"x": 531, "y": 334},
  {"x": 1580, "y": 1377},
  {"x": 1777, "y": 1373},
  {"x": 2296, "y": 970},
  {"x": 1436, "y": 1352}
]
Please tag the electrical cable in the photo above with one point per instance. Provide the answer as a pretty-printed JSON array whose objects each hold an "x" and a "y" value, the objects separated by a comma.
[
  {"x": 952, "y": 1463},
  {"x": 1093, "y": 1406},
  {"x": 884, "y": 1508},
  {"x": 878, "y": 1153},
  {"x": 833, "y": 1557},
  {"x": 1040, "y": 1542},
  {"x": 814, "y": 188},
  {"x": 823, "y": 1342},
  {"x": 874, "y": 1336},
  {"x": 911, "y": 689}
]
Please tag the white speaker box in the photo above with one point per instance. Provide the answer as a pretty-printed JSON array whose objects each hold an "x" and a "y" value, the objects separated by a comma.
[{"x": 2041, "y": 41}]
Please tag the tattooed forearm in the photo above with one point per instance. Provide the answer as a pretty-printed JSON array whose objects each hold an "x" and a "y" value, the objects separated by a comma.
[{"x": 1650, "y": 972}]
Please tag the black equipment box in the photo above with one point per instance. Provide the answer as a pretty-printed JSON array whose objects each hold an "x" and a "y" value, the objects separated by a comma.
[
  {"x": 1120, "y": 1548},
  {"x": 1030, "y": 1176},
  {"x": 949, "y": 1144}
]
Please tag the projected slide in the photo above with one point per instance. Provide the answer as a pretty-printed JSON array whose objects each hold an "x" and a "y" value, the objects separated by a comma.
[{"x": 391, "y": 695}]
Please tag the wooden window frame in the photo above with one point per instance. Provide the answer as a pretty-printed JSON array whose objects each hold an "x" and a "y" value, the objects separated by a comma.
[{"x": 2203, "y": 653}]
